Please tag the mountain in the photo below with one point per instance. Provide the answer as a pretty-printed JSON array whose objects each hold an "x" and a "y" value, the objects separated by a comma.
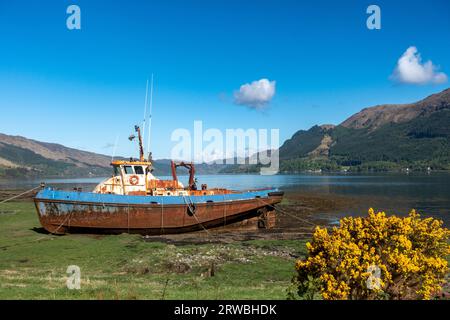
[
  {"x": 22, "y": 157},
  {"x": 314, "y": 141},
  {"x": 384, "y": 137},
  {"x": 375, "y": 117}
]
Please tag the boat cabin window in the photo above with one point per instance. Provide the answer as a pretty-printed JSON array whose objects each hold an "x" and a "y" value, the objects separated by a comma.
[
  {"x": 138, "y": 170},
  {"x": 117, "y": 170},
  {"x": 128, "y": 169}
]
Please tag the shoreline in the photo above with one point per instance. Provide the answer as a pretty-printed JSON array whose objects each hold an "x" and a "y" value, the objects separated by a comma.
[
  {"x": 245, "y": 173},
  {"x": 297, "y": 219}
]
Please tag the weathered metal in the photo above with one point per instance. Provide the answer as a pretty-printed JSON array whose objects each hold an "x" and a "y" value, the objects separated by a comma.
[
  {"x": 135, "y": 201},
  {"x": 188, "y": 165},
  {"x": 64, "y": 211}
]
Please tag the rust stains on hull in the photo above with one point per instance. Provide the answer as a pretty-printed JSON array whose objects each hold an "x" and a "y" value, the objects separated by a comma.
[{"x": 59, "y": 216}]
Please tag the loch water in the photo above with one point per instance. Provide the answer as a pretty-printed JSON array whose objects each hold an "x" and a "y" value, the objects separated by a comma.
[{"x": 394, "y": 193}]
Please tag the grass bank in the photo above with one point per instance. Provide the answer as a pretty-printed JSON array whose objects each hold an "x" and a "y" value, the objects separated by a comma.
[{"x": 33, "y": 264}]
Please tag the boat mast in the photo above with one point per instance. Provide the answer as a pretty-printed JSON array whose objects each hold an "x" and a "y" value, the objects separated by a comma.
[
  {"x": 115, "y": 147},
  {"x": 145, "y": 109},
  {"x": 150, "y": 119},
  {"x": 141, "y": 148}
]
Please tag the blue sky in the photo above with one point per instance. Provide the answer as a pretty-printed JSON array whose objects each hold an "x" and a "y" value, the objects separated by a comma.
[{"x": 83, "y": 88}]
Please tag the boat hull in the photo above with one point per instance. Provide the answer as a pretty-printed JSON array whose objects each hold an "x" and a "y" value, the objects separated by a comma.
[{"x": 78, "y": 212}]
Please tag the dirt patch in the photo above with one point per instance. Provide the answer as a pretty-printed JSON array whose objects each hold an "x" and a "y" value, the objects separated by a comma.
[
  {"x": 202, "y": 260},
  {"x": 178, "y": 266},
  {"x": 296, "y": 219},
  {"x": 324, "y": 148}
]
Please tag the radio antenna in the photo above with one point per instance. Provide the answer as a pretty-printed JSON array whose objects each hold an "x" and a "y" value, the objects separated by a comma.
[
  {"x": 114, "y": 148},
  {"x": 150, "y": 115},
  {"x": 145, "y": 110}
]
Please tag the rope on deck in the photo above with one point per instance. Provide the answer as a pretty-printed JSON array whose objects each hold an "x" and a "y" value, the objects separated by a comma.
[
  {"x": 62, "y": 223},
  {"x": 224, "y": 210},
  {"x": 40, "y": 238},
  {"x": 162, "y": 215},
  {"x": 19, "y": 195},
  {"x": 287, "y": 213},
  {"x": 193, "y": 213}
]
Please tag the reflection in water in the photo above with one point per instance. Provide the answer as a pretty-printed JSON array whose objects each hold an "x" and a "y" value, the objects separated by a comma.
[{"x": 393, "y": 193}]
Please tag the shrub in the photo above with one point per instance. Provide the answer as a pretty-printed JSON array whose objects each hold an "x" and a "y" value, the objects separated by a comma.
[{"x": 376, "y": 257}]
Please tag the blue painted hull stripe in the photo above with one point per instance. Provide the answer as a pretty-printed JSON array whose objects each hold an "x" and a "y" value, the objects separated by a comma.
[{"x": 74, "y": 196}]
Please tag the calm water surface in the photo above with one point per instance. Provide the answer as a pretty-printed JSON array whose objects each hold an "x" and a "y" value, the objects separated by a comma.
[{"x": 393, "y": 193}]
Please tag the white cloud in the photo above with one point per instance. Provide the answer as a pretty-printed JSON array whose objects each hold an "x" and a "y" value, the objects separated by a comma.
[
  {"x": 410, "y": 69},
  {"x": 256, "y": 94}
]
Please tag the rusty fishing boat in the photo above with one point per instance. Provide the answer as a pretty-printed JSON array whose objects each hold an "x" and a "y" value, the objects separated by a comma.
[{"x": 133, "y": 200}]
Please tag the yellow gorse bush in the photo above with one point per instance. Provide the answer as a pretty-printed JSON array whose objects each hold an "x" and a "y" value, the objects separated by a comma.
[{"x": 408, "y": 253}]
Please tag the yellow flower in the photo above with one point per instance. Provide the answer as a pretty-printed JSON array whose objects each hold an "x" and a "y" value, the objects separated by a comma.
[{"x": 392, "y": 254}]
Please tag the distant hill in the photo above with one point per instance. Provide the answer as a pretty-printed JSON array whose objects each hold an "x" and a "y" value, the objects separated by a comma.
[
  {"x": 162, "y": 167},
  {"x": 384, "y": 137},
  {"x": 375, "y": 117},
  {"x": 21, "y": 157}
]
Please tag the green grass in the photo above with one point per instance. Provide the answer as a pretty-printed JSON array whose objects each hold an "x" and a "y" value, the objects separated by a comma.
[{"x": 33, "y": 265}]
